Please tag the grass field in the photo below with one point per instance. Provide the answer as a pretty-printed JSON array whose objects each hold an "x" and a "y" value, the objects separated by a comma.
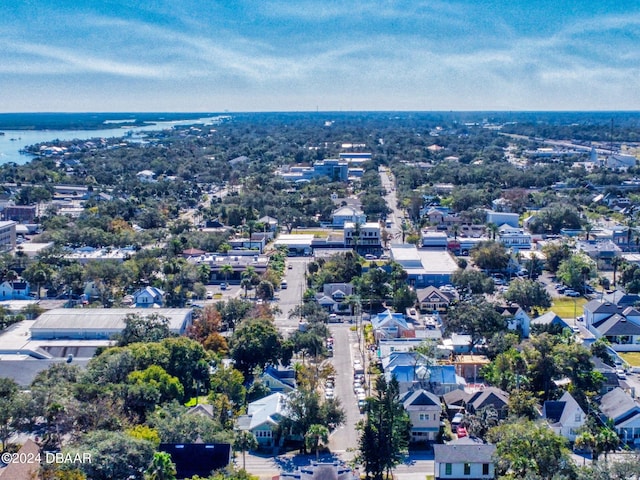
[
  {"x": 632, "y": 358},
  {"x": 568, "y": 307}
]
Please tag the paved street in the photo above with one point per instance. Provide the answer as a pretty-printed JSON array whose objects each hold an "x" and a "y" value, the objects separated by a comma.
[
  {"x": 292, "y": 295},
  {"x": 345, "y": 439}
]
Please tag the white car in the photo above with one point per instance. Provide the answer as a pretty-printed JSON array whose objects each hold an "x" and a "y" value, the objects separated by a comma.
[{"x": 329, "y": 394}]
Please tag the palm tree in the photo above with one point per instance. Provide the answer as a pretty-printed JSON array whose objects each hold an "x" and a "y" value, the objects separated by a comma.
[
  {"x": 161, "y": 468},
  {"x": 316, "y": 435},
  {"x": 226, "y": 269},
  {"x": 245, "y": 283},
  {"x": 455, "y": 230},
  {"x": 615, "y": 263},
  {"x": 404, "y": 226},
  {"x": 493, "y": 229},
  {"x": 244, "y": 441},
  {"x": 39, "y": 276},
  {"x": 587, "y": 230}
]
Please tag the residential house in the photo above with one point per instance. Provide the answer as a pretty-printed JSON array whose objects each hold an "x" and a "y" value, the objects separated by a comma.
[
  {"x": 517, "y": 318},
  {"x": 333, "y": 295},
  {"x": 347, "y": 214},
  {"x": 424, "y": 411},
  {"x": 263, "y": 417},
  {"x": 620, "y": 325},
  {"x": 432, "y": 299},
  {"x": 548, "y": 319},
  {"x": 489, "y": 397},
  {"x": 438, "y": 379},
  {"x": 202, "y": 409},
  {"x": 390, "y": 325},
  {"x": 565, "y": 416},
  {"x": 148, "y": 297},
  {"x": 623, "y": 411},
  {"x": 15, "y": 290},
  {"x": 465, "y": 458},
  {"x": 279, "y": 379},
  {"x": 455, "y": 401}
]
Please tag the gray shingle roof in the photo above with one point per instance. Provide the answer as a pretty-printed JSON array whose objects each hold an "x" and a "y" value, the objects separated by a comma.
[
  {"x": 465, "y": 450},
  {"x": 617, "y": 404}
]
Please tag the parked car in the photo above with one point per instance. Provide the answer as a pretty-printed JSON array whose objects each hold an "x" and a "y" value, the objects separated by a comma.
[
  {"x": 223, "y": 286},
  {"x": 333, "y": 318},
  {"x": 571, "y": 293},
  {"x": 210, "y": 295}
]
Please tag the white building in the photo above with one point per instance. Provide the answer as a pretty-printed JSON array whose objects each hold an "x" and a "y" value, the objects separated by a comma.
[
  {"x": 100, "y": 323},
  {"x": 514, "y": 238},
  {"x": 347, "y": 214},
  {"x": 364, "y": 237}
]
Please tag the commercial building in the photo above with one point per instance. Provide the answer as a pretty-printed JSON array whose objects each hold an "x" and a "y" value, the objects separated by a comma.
[{"x": 100, "y": 323}]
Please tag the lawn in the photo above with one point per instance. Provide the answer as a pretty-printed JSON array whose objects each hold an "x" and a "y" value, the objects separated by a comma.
[
  {"x": 568, "y": 307},
  {"x": 632, "y": 358}
]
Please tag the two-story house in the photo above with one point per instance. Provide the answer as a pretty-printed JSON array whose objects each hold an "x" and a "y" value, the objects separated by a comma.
[
  {"x": 148, "y": 297},
  {"x": 424, "y": 411},
  {"x": 565, "y": 416},
  {"x": 623, "y": 411}
]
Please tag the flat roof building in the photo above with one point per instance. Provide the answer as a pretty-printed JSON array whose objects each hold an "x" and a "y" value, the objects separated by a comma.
[{"x": 100, "y": 323}]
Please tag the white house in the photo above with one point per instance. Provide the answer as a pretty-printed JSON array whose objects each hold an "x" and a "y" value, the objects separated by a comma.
[
  {"x": 564, "y": 416},
  {"x": 347, "y": 214},
  {"x": 620, "y": 325},
  {"x": 424, "y": 410},
  {"x": 466, "y": 457},
  {"x": 263, "y": 417},
  {"x": 148, "y": 297},
  {"x": 518, "y": 319}
]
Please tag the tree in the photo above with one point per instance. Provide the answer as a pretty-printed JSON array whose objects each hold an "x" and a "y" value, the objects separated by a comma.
[
  {"x": 134, "y": 455},
  {"x": 575, "y": 270},
  {"x": 474, "y": 281},
  {"x": 555, "y": 253},
  {"x": 528, "y": 294},
  {"x": 226, "y": 270},
  {"x": 265, "y": 290},
  {"x": 244, "y": 441},
  {"x": 316, "y": 436},
  {"x": 161, "y": 468},
  {"x": 304, "y": 409},
  {"x": 151, "y": 328},
  {"x": 490, "y": 255},
  {"x": 12, "y": 407},
  {"x": 615, "y": 263},
  {"x": 524, "y": 447},
  {"x": 256, "y": 343},
  {"x": 384, "y": 434},
  {"x": 476, "y": 318},
  {"x": 403, "y": 298}
]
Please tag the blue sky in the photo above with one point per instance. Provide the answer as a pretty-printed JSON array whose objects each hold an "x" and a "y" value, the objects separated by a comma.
[{"x": 210, "y": 56}]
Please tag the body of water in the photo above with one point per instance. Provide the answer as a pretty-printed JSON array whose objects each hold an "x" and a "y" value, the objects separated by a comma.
[{"x": 15, "y": 140}]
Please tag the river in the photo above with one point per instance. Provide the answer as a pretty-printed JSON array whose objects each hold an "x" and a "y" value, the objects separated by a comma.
[{"x": 15, "y": 140}]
